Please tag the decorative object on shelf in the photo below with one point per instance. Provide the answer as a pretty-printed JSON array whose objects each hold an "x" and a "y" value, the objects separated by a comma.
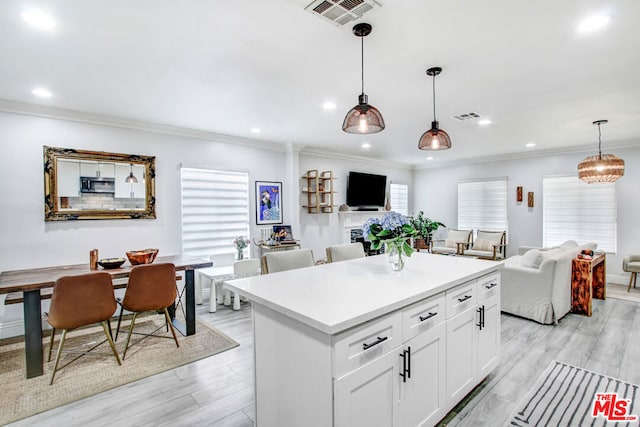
[
  {"x": 343, "y": 207},
  {"x": 93, "y": 259},
  {"x": 363, "y": 118},
  {"x": 110, "y": 263},
  {"x": 144, "y": 256},
  {"x": 394, "y": 232},
  {"x": 240, "y": 243},
  {"x": 434, "y": 138},
  {"x": 268, "y": 202},
  {"x": 387, "y": 205},
  {"x": 518, "y": 194},
  {"x": 131, "y": 179},
  {"x": 424, "y": 229},
  {"x": 530, "y": 199},
  {"x": 603, "y": 167}
]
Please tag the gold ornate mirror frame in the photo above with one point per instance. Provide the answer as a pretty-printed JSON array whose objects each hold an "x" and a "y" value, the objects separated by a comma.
[{"x": 53, "y": 211}]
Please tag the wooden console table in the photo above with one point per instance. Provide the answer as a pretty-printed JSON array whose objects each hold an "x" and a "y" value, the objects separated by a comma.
[{"x": 588, "y": 280}]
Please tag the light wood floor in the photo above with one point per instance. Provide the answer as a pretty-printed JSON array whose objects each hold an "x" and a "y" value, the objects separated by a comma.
[{"x": 218, "y": 391}]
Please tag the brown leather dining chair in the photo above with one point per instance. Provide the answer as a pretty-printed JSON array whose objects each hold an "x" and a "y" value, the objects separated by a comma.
[
  {"x": 78, "y": 301},
  {"x": 151, "y": 287}
]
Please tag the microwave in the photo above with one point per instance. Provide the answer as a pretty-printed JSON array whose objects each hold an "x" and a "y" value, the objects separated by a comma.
[{"x": 96, "y": 184}]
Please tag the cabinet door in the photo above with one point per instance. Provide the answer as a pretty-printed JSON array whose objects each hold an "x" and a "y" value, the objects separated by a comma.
[
  {"x": 461, "y": 355},
  {"x": 368, "y": 396},
  {"x": 489, "y": 337},
  {"x": 423, "y": 397},
  {"x": 68, "y": 179}
]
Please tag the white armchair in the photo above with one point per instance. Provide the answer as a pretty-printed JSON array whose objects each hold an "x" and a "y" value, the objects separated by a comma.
[
  {"x": 488, "y": 244},
  {"x": 454, "y": 243}
]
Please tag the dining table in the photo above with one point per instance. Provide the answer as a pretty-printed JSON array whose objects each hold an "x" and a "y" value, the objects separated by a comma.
[{"x": 31, "y": 281}]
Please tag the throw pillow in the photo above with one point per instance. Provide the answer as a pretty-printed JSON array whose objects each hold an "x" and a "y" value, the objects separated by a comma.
[
  {"x": 569, "y": 244},
  {"x": 451, "y": 243},
  {"x": 483, "y": 245},
  {"x": 532, "y": 258}
]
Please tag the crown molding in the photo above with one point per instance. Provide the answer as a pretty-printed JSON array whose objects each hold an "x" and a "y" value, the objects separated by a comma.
[
  {"x": 584, "y": 149},
  {"x": 314, "y": 151},
  {"x": 45, "y": 111}
]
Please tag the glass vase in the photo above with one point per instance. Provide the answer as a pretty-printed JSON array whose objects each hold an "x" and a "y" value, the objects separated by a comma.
[{"x": 394, "y": 255}]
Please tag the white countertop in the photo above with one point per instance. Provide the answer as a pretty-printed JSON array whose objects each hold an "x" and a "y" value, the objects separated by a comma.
[{"x": 335, "y": 297}]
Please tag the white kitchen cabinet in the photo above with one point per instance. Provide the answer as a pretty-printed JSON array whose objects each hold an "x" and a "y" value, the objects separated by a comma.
[
  {"x": 127, "y": 189},
  {"x": 369, "y": 395},
  {"x": 97, "y": 169},
  {"x": 68, "y": 175},
  {"x": 489, "y": 331},
  {"x": 461, "y": 355}
]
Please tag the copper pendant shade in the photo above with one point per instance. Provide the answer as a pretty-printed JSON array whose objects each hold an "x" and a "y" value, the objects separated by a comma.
[
  {"x": 603, "y": 167},
  {"x": 363, "y": 118},
  {"x": 435, "y": 138},
  {"x": 131, "y": 178}
]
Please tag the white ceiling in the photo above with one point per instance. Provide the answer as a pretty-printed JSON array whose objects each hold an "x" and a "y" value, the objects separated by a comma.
[{"x": 227, "y": 67}]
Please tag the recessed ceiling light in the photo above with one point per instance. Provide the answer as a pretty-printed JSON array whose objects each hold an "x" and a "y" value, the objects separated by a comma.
[
  {"x": 42, "y": 93},
  {"x": 365, "y": 145},
  {"x": 530, "y": 145},
  {"x": 484, "y": 122},
  {"x": 430, "y": 158},
  {"x": 329, "y": 106},
  {"x": 256, "y": 130},
  {"x": 593, "y": 23},
  {"x": 39, "y": 19}
]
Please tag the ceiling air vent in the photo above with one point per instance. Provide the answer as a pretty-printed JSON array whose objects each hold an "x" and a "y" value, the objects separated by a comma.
[
  {"x": 341, "y": 12},
  {"x": 467, "y": 116}
]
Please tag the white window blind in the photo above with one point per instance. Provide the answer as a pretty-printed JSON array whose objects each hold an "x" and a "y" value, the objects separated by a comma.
[
  {"x": 574, "y": 210},
  {"x": 482, "y": 205},
  {"x": 399, "y": 198},
  {"x": 215, "y": 210}
]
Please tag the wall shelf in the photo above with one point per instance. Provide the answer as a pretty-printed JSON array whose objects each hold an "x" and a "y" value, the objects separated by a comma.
[{"x": 319, "y": 190}]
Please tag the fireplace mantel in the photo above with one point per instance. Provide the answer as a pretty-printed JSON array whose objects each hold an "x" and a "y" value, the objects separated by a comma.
[{"x": 355, "y": 219}]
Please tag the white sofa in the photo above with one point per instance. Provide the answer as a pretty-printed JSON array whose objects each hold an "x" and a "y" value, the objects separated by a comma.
[{"x": 537, "y": 284}]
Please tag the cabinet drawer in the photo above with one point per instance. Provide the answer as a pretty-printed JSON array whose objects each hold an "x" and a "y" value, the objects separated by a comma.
[
  {"x": 488, "y": 286},
  {"x": 422, "y": 316},
  {"x": 362, "y": 344},
  {"x": 460, "y": 298}
]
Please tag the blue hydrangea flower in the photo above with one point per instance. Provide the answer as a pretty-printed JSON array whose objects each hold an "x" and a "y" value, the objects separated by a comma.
[{"x": 366, "y": 228}]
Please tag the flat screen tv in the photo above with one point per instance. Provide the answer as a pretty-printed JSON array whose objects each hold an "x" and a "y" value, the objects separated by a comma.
[{"x": 365, "y": 190}]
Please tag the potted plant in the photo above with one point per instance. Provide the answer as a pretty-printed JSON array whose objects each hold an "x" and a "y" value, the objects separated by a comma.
[{"x": 425, "y": 228}]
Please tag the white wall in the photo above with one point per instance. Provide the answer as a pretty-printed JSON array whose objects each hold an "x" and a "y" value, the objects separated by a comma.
[
  {"x": 435, "y": 192},
  {"x": 317, "y": 231},
  {"x": 28, "y": 241}
]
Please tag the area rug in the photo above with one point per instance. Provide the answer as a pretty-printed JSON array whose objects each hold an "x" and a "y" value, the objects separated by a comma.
[
  {"x": 617, "y": 291},
  {"x": 21, "y": 397},
  {"x": 564, "y": 395}
]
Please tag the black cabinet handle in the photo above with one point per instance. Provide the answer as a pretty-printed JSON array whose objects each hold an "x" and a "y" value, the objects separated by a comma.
[
  {"x": 483, "y": 317},
  {"x": 464, "y": 298},
  {"x": 409, "y": 362},
  {"x": 403, "y": 374},
  {"x": 428, "y": 316},
  {"x": 378, "y": 340},
  {"x": 493, "y": 285},
  {"x": 480, "y": 323}
]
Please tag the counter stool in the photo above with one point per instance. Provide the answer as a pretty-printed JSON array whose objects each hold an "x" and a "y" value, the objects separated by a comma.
[{"x": 631, "y": 264}]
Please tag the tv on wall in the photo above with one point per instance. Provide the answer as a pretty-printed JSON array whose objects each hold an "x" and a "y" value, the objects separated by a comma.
[{"x": 365, "y": 190}]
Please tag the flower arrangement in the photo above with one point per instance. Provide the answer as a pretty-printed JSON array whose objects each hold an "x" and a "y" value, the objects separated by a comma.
[
  {"x": 394, "y": 231},
  {"x": 240, "y": 242}
]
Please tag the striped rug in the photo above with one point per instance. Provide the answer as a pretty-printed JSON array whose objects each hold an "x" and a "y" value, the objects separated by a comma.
[{"x": 564, "y": 396}]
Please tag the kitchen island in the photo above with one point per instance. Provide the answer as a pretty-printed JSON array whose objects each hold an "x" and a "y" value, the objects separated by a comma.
[{"x": 355, "y": 344}]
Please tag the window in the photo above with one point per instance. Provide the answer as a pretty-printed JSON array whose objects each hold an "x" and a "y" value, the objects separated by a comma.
[
  {"x": 482, "y": 205},
  {"x": 574, "y": 210},
  {"x": 215, "y": 210},
  {"x": 399, "y": 198}
]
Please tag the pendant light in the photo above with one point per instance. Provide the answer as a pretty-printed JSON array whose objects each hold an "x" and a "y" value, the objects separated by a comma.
[
  {"x": 603, "y": 167},
  {"x": 434, "y": 138},
  {"x": 363, "y": 118},
  {"x": 131, "y": 179}
]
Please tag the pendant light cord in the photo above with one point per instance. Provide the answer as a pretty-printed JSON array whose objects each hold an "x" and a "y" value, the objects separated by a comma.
[
  {"x": 434, "y": 98},
  {"x": 599, "y": 142},
  {"x": 362, "y": 63}
]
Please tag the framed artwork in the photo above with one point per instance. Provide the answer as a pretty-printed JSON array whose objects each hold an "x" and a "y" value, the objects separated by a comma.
[{"x": 268, "y": 202}]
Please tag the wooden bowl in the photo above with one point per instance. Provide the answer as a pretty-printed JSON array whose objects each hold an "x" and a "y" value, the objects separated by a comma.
[
  {"x": 109, "y": 263},
  {"x": 144, "y": 256}
]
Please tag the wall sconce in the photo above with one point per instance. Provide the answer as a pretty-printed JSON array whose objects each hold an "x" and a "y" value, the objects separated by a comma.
[{"x": 530, "y": 199}]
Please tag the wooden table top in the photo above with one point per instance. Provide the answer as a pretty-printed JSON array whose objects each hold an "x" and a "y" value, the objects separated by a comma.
[{"x": 39, "y": 278}]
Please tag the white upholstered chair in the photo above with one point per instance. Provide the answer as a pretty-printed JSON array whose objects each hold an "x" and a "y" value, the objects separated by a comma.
[
  {"x": 344, "y": 252},
  {"x": 241, "y": 268},
  {"x": 273, "y": 262},
  {"x": 488, "y": 244},
  {"x": 454, "y": 243}
]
